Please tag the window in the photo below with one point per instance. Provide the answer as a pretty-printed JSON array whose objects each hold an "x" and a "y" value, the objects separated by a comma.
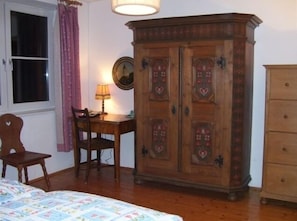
[{"x": 27, "y": 80}]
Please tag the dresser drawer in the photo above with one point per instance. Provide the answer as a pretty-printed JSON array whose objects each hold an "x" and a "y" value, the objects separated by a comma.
[
  {"x": 280, "y": 179},
  {"x": 281, "y": 148},
  {"x": 282, "y": 116},
  {"x": 283, "y": 84}
]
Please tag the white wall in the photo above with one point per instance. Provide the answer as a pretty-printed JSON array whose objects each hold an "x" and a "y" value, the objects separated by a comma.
[{"x": 104, "y": 38}]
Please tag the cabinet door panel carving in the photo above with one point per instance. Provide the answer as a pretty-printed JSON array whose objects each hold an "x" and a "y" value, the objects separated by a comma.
[
  {"x": 203, "y": 79},
  {"x": 159, "y": 78}
]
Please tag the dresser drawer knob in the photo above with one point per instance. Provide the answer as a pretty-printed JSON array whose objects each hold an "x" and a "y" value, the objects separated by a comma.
[
  {"x": 287, "y": 84},
  {"x": 282, "y": 180},
  {"x": 284, "y": 149},
  {"x": 285, "y": 116}
]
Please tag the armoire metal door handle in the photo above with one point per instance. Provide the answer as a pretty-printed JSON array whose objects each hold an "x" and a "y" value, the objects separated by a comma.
[
  {"x": 173, "y": 109},
  {"x": 187, "y": 111}
]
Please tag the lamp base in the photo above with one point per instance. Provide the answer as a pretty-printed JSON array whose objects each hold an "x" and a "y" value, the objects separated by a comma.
[{"x": 103, "y": 112}]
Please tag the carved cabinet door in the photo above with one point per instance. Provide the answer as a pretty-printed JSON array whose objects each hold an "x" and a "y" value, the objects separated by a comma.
[
  {"x": 206, "y": 113},
  {"x": 157, "y": 107}
]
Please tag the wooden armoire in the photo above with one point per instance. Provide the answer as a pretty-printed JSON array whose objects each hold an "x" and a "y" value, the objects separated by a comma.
[{"x": 193, "y": 91}]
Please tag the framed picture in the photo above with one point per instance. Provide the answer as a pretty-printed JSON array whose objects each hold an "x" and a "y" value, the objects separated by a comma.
[{"x": 123, "y": 73}]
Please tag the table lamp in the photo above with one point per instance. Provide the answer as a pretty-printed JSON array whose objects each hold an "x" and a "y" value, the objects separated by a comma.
[{"x": 102, "y": 93}]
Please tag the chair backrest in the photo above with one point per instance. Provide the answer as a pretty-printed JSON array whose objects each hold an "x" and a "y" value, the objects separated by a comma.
[
  {"x": 81, "y": 120},
  {"x": 10, "y": 131}
]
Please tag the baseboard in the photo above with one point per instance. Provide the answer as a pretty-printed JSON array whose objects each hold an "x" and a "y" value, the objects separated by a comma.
[{"x": 67, "y": 169}]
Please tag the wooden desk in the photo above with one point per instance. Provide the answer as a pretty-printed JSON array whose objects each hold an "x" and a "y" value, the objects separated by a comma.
[{"x": 114, "y": 124}]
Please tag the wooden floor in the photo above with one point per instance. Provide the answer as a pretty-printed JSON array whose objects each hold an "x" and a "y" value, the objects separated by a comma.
[{"x": 191, "y": 204}]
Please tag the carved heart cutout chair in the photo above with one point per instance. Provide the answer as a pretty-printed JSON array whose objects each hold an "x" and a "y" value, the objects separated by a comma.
[{"x": 12, "y": 151}]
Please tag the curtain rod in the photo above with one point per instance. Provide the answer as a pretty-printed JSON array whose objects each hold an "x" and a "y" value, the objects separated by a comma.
[{"x": 71, "y": 2}]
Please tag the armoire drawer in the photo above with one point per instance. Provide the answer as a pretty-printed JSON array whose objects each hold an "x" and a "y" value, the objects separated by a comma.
[
  {"x": 280, "y": 179},
  {"x": 282, "y": 116},
  {"x": 283, "y": 84},
  {"x": 281, "y": 148}
]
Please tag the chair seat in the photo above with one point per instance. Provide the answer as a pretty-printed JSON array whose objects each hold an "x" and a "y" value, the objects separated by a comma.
[
  {"x": 95, "y": 142},
  {"x": 26, "y": 158}
]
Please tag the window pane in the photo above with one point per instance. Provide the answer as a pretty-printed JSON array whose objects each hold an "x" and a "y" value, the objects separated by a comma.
[
  {"x": 28, "y": 35},
  {"x": 30, "y": 81}
]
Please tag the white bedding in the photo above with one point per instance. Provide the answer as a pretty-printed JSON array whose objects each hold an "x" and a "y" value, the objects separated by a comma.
[{"x": 23, "y": 202}]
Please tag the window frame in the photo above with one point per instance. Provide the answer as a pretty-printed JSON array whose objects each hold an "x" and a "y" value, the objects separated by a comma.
[{"x": 6, "y": 84}]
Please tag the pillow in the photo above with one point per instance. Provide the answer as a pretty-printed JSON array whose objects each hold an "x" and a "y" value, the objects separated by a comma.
[{"x": 12, "y": 190}]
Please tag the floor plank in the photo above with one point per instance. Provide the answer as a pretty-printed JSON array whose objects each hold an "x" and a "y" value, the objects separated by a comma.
[{"x": 191, "y": 204}]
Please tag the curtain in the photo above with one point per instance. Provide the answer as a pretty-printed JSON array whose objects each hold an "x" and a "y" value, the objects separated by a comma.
[{"x": 70, "y": 74}]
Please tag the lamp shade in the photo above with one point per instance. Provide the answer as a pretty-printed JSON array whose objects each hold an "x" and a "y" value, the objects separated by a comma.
[
  {"x": 135, "y": 7},
  {"x": 102, "y": 92}
]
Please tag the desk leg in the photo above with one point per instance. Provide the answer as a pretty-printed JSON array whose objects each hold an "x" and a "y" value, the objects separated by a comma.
[{"x": 117, "y": 142}]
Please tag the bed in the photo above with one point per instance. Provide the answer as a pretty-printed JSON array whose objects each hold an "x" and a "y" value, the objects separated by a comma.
[{"x": 23, "y": 202}]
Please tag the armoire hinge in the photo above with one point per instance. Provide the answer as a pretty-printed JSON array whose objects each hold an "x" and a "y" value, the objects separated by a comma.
[{"x": 219, "y": 161}]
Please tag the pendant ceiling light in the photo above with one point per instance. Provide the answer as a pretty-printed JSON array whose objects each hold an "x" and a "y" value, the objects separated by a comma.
[{"x": 135, "y": 7}]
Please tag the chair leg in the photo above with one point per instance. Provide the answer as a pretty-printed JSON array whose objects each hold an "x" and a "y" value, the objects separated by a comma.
[
  {"x": 42, "y": 163},
  {"x": 26, "y": 175},
  {"x": 88, "y": 165},
  {"x": 20, "y": 174},
  {"x": 98, "y": 160},
  {"x": 77, "y": 162},
  {"x": 3, "y": 169}
]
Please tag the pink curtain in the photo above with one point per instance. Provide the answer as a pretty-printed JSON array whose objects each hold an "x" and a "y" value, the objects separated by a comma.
[{"x": 70, "y": 73}]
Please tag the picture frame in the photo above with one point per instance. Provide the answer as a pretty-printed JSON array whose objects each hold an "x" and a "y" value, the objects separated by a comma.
[{"x": 123, "y": 73}]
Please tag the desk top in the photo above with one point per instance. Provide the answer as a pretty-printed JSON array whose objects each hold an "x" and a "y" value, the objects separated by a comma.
[
  {"x": 112, "y": 124},
  {"x": 112, "y": 118}
]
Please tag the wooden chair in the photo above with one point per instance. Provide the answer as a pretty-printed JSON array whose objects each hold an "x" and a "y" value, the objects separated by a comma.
[
  {"x": 12, "y": 151},
  {"x": 83, "y": 139}
]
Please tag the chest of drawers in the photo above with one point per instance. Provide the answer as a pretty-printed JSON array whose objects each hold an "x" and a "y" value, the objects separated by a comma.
[{"x": 280, "y": 146}]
